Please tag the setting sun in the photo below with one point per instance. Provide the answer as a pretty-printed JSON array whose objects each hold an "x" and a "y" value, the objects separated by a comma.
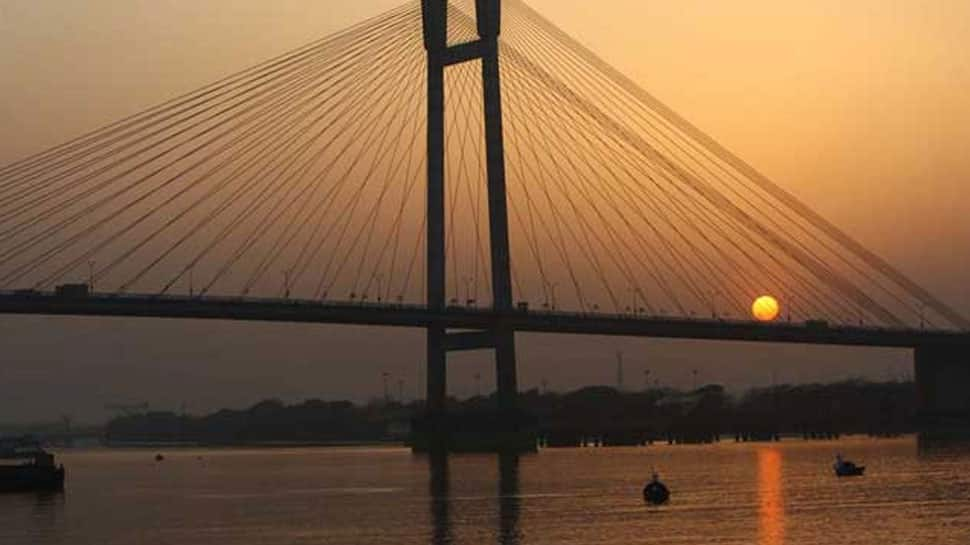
[{"x": 765, "y": 308}]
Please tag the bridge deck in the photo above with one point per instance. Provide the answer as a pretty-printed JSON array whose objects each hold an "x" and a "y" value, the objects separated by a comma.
[{"x": 402, "y": 315}]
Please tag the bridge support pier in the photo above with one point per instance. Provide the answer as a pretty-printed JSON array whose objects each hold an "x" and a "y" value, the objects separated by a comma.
[
  {"x": 943, "y": 390},
  {"x": 500, "y": 428}
]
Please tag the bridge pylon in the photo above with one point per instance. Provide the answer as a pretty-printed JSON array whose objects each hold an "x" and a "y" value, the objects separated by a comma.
[{"x": 499, "y": 337}]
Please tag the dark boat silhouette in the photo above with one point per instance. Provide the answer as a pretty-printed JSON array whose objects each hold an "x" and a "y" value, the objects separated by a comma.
[
  {"x": 845, "y": 468},
  {"x": 656, "y": 492},
  {"x": 25, "y": 466}
]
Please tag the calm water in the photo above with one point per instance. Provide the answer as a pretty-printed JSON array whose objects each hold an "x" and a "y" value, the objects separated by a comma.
[{"x": 769, "y": 494}]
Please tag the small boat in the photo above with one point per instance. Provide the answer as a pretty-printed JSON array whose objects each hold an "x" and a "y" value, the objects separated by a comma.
[
  {"x": 845, "y": 468},
  {"x": 656, "y": 492},
  {"x": 25, "y": 466}
]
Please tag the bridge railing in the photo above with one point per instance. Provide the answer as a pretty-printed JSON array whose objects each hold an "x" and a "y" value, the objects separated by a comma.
[{"x": 552, "y": 314}]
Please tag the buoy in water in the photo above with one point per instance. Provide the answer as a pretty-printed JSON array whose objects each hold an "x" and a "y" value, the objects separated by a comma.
[
  {"x": 159, "y": 457},
  {"x": 656, "y": 492}
]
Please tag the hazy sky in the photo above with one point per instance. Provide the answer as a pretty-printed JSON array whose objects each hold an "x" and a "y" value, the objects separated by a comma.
[{"x": 859, "y": 108}]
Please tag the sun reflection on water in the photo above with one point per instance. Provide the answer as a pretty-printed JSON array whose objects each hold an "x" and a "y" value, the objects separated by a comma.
[{"x": 771, "y": 503}]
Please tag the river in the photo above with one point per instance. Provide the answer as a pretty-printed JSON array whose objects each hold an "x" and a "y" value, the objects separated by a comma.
[{"x": 727, "y": 493}]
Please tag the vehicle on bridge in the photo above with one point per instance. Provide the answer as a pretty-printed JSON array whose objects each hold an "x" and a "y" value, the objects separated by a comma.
[{"x": 72, "y": 290}]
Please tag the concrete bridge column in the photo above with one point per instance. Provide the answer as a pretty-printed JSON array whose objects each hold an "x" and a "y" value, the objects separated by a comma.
[
  {"x": 943, "y": 389},
  {"x": 435, "y": 13}
]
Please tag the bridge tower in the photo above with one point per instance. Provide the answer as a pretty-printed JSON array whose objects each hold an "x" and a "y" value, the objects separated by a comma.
[{"x": 500, "y": 339}]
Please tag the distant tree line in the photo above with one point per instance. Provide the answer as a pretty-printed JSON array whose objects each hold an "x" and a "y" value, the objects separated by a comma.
[
  {"x": 600, "y": 413},
  {"x": 813, "y": 410},
  {"x": 267, "y": 421}
]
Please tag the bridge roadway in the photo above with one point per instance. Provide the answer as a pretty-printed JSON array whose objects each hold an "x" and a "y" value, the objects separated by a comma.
[{"x": 462, "y": 318}]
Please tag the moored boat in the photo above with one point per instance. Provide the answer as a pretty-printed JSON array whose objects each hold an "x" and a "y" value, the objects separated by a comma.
[{"x": 25, "y": 466}]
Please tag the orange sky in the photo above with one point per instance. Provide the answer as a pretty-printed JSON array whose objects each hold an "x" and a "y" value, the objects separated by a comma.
[{"x": 857, "y": 107}]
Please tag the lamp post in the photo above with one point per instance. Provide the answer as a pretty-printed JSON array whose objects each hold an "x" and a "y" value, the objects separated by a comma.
[
  {"x": 550, "y": 295},
  {"x": 619, "y": 371},
  {"x": 468, "y": 291}
]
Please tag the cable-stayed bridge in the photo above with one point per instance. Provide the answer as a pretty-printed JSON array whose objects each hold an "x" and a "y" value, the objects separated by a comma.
[{"x": 451, "y": 167}]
